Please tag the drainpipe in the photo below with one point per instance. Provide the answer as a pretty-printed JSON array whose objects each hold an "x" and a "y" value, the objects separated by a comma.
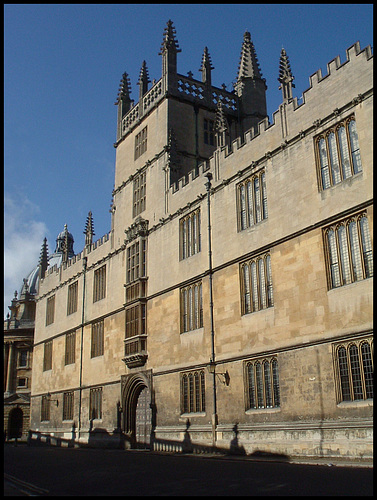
[
  {"x": 85, "y": 260},
  {"x": 212, "y": 364}
]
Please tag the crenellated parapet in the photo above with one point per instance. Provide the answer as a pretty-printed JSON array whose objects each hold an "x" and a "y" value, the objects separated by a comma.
[{"x": 269, "y": 139}]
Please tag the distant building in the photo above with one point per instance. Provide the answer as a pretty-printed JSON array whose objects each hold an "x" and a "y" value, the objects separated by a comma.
[
  {"x": 18, "y": 342},
  {"x": 230, "y": 305}
]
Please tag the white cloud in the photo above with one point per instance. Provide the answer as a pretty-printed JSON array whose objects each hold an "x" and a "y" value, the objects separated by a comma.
[{"x": 23, "y": 238}]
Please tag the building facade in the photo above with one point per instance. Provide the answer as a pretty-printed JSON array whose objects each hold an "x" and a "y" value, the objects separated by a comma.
[
  {"x": 18, "y": 358},
  {"x": 230, "y": 305}
]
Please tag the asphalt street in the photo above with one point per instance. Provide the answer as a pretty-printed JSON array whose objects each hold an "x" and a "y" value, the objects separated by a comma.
[{"x": 49, "y": 471}]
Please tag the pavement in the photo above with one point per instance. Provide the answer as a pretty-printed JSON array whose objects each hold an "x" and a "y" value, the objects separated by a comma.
[{"x": 16, "y": 487}]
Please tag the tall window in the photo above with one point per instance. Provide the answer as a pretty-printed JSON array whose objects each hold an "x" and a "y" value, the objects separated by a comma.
[
  {"x": 97, "y": 339},
  {"x": 193, "y": 392},
  {"x": 252, "y": 200},
  {"x": 68, "y": 405},
  {"x": 72, "y": 298},
  {"x": 348, "y": 251},
  {"x": 45, "y": 408},
  {"x": 140, "y": 143},
  {"x": 95, "y": 403},
  {"x": 47, "y": 356},
  {"x": 139, "y": 199},
  {"x": 263, "y": 389},
  {"x": 354, "y": 370},
  {"x": 135, "y": 320},
  {"x": 338, "y": 153},
  {"x": 70, "y": 348},
  {"x": 22, "y": 358},
  {"x": 256, "y": 284},
  {"x": 190, "y": 234},
  {"x": 136, "y": 260},
  {"x": 99, "y": 288},
  {"x": 50, "y": 310},
  {"x": 191, "y": 307},
  {"x": 209, "y": 134}
]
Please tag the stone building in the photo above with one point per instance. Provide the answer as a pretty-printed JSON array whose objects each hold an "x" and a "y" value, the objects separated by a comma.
[
  {"x": 230, "y": 304},
  {"x": 18, "y": 341},
  {"x": 18, "y": 355}
]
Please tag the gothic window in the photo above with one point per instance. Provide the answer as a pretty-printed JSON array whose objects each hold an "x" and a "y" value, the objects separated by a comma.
[
  {"x": 136, "y": 260},
  {"x": 72, "y": 298},
  {"x": 97, "y": 339},
  {"x": 45, "y": 408},
  {"x": 47, "y": 356},
  {"x": 139, "y": 198},
  {"x": 191, "y": 307},
  {"x": 193, "y": 392},
  {"x": 190, "y": 234},
  {"x": 68, "y": 405},
  {"x": 140, "y": 143},
  {"x": 262, "y": 382},
  {"x": 348, "y": 251},
  {"x": 99, "y": 287},
  {"x": 252, "y": 201},
  {"x": 209, "y": 134},
  {"x": 50, "y": 310},
  {"x": 70, "y": 348},
  {"x": 338, "y": 153},
  {"x": 354, "y": 370},
  {"x": 95, "y": 403},
  {"x": 256, "y": 284}
]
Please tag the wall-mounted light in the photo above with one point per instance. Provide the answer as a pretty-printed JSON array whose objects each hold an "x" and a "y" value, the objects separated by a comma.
[{"x": 223, "y": 376}]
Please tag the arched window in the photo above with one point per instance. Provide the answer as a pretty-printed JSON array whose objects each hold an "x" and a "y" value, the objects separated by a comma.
[
  {"x": 256, "y": 284},
  {"x": 338, "y": 153},
  {"x": 354, "y": 371},
  {"x": 191, "y": 307},
  {"x": 325, "y": 176},
  {"x": 193, "y": 392},
  {"x": 184, "y": 394},
  {"x": 349, "y": 251},
  {"x": 343, "y": 374},
  {"x": 262, "y": 384},
  {"x": 367, "y": 368},
  {"x": 252, "y": 200},
  {"x": 189, "y": 229}
]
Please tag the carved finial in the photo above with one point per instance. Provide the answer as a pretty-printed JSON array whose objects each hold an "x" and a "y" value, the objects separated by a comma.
[
  {"x": 89, "y": 230},
  {"x": 285, "y": 77},
  {"x": 43, "y": 259},
  {"x": 169, "y": 41},
  {"x": 221, "y": 125},
  {"x": 124, "y": 90},
  {"x": 206, "y": 67},
  {"x": 248, "y": 66},
  {"x": 143, "y": 80},
  {"x": 65, "y": 244}
]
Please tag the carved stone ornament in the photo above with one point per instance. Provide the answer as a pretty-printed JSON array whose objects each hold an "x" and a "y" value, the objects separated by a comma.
[{"x": 138, "y": 228}]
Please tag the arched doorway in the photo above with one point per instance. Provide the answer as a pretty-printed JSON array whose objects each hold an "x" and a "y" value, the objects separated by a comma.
[
  {"x": 137, "y": 412},
  {"x": 143, "y": 419},
  {"x": 15, "y": 423}
]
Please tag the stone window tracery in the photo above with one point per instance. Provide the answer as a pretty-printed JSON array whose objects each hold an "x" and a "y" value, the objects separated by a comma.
[{"x": 338, "y": 153}]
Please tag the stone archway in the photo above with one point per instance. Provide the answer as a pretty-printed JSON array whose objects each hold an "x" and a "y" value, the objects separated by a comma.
[
  {"x": 15, "y": 423},
  {"x": 137, "y": 412}
]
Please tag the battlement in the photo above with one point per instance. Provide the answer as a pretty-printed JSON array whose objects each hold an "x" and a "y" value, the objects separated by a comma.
[
  {"x": 93, "y": 250},
  {"x": 270, "y": 138}
]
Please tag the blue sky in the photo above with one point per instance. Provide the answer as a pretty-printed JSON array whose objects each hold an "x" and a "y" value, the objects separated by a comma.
[{"x": 62, "y": 68}]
